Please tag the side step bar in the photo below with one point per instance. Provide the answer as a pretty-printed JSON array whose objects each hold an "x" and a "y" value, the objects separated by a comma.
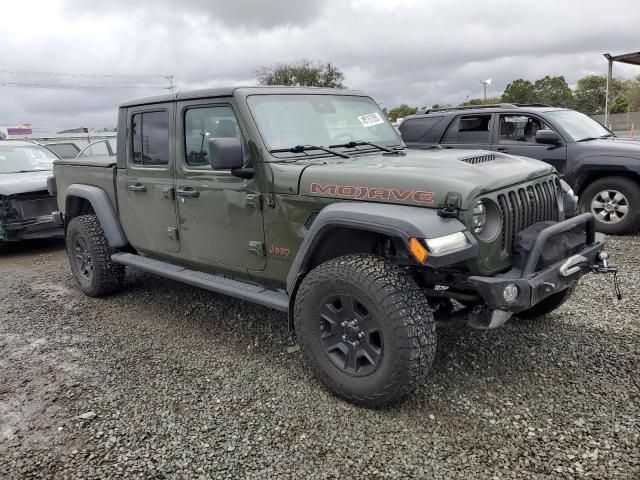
[{"x": 278, "y": 300}]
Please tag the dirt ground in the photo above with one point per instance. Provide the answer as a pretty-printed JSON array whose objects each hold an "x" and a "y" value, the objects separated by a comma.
[{"x": 176, "y": 382}]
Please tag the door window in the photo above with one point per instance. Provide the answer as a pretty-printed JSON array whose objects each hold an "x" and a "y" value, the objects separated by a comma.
[
  {"x": 520, "y": 128},
  {"x": 98, "y": 149},
  {"x": 413, "y": 129},
  {"x": 469, "y": 129},
  {"x": 150, "y": 138},
  {"x": 201, "y": 124}
]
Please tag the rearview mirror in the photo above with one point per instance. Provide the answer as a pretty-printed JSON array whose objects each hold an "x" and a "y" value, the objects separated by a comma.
[
  {"x": 548, "y": 137},
  {"x": 226, "y": 153}
]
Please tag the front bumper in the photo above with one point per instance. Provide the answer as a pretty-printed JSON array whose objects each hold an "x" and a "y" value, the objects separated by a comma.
[
  {"x": 42, "y": 227},
  {"x": 535, "y": 285}
]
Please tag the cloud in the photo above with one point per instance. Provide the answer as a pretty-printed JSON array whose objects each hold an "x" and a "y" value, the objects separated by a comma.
[{"x": 417, "y": 52}]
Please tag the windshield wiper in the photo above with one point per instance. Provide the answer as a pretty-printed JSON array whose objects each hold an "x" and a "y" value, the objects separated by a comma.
[
  {"x": 354, "y": 144},
  {"x": 608, "y": 135},
  {"x": 304, "y": 148},
  {"x": 588, "y": 139}
]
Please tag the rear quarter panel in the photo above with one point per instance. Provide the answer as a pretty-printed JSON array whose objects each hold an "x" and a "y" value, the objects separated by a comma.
[{"x": 97, "y": 176}]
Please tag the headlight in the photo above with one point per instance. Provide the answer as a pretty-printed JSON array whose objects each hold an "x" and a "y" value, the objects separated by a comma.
[
  {"x": 479, "y": 216},
  {"x": 448, "y": 242}
]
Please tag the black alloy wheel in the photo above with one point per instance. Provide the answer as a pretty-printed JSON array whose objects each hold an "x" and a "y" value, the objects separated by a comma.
[{"x": 350, "y": 335}]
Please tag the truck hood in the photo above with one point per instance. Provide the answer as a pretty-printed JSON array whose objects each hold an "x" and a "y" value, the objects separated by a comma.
[
  {"x": 614, "y": 147},
  {"x": 13, "y": 183},
  {"x": 421, "y": 177}
]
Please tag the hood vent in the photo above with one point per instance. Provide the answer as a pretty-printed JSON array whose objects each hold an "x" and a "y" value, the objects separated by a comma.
[{"x": 479, "y": 159}]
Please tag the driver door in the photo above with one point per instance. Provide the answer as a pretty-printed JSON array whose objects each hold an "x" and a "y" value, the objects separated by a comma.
[
  {"x": 516, "y": 135},
  {"x": 219, "y": 214}
]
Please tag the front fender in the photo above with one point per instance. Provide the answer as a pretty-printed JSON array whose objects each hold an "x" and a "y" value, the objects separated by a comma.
[
  {"x": 612, "y": 165},
  {"x": 398, "y": 221},
  {"x": 101, "y": 205}
]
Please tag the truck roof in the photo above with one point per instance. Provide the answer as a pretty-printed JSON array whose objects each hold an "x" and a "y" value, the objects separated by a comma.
[{"x": 229, "y": 91}]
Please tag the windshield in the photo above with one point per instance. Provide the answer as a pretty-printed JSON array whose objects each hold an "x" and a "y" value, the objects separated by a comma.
[
  {"x": 578, "y": 125},
  {"x": 14, "y": 159},
  {"x": 286, "y": 121}
]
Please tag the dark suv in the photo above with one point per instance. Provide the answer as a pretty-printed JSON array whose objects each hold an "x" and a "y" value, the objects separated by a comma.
[{"x": 602, "y": 169}]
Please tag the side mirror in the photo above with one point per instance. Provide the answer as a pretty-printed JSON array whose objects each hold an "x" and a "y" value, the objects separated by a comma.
[
  {"x": 548, "y": 137},
  {"x": 226, "y": 153}
]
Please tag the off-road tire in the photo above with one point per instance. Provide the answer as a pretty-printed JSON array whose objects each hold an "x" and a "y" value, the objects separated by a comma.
[
  {"x": 398, "y": 305},
  {"x": 630, "y": 189},
  {"x": 548, "y": 305},
  {"x": 107, "y": 276}
]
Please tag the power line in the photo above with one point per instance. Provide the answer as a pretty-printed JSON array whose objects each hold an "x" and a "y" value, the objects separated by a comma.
[
  {"x": 81, "y": 87},
  {"x": 85, "y": 75}
]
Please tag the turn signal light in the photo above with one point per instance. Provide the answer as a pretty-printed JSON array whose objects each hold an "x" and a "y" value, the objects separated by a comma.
[{"x": 418, "y": 251}]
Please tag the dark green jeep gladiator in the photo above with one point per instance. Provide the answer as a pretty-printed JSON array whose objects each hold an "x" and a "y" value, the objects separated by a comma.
[{"x": 305, "y": 200}]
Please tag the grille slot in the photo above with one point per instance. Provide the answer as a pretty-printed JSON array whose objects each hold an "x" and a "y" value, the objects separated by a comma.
[
  {"x": 479, "y": 159},
  {"x": 38, "y": 207},
  {"x": 524, "y": 206}
]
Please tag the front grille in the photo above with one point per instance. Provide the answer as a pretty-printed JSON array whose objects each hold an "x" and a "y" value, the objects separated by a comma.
[
  {"x": 479, "y": 159},
  {"x": 38, "y": 207},
  {"x": 524, "y": 206}
]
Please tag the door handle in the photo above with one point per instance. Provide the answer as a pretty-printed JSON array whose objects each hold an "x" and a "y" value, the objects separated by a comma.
[
  {"x": 187, "y": 192},
  {"x": 502, "y": 149},
  {"x": 137, "y": 187}
]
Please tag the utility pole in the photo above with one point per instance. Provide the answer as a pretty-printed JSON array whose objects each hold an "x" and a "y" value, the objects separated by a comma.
[
  {"x": 486, "y": 83},
  {"x": 171, "y": 87},
  {"x": 609, "y": 80}
]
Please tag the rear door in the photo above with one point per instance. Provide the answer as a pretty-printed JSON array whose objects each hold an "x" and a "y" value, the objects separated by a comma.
[
  {"x": 146, "y": 201},
  {"x": 470, "y": 131},
  {"x": 220, "y": 215},
  {"x": 516, "y": 135}
]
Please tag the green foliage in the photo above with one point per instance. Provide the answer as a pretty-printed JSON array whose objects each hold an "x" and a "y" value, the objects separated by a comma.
[
  {"x": 519, "y": 91},
  {"x": 481, "y": 101},
  {"x": 401, "y": 112},
  {"x": 301, "y": 73},
  {"x": 620, "y": 104},
  {"x": 553, "y": 91}
]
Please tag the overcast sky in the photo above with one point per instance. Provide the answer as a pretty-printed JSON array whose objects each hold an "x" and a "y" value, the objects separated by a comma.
[{"x": 413, "y": 51}]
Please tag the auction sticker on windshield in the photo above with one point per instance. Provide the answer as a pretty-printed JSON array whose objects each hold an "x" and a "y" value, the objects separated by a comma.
[{"x": 370, "y": 119}]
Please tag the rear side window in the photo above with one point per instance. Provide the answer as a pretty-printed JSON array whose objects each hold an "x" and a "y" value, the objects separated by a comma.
[
  {"x": 150, "y": 138},
  {"x": 64, "y": 150},
  {"x": 469, "y": 129},
  {"x": 416, "y": 129}
]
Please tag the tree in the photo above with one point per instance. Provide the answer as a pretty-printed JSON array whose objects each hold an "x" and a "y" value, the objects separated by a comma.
[
  {"x": 402, "y": 111},
  {"x": 519, "y": 91},
  {"x": 590, "y": 93},
  {"x": 301, "y": 73},
  {"x": 553, "y": 91},
  {"x": 620, "y": 104},
  {"x": 480, "y": 101},
  {"x": 631, "y": 90}
]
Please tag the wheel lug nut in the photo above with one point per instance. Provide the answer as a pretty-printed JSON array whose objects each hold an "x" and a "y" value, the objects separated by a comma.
[
  {"x": 343, "y": 324},
  {"x": 361, "y": 335},
  {"x": 344, "y": 338}
]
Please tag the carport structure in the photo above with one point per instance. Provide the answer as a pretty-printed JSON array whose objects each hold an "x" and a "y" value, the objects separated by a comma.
[{"x": 630, "y": 58}]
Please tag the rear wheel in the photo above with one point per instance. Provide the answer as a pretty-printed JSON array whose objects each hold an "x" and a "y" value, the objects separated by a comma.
[
  {"x": 615, "y": 202},
  {"x": 90, "y": 257},
  {"x": 365, "y": 329}
]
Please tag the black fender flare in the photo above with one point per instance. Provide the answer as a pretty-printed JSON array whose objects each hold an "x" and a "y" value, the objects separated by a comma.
[
  {"x": 103, "y": 208},
  {"x": 613, "y": 165},
  {"x": 399, "y": 221}
]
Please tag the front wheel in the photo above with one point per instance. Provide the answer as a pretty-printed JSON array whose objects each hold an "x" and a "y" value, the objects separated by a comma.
[
  {"x": 615, "y": 202},
  {"x": 90, "y": 257},
  {"x": 365, "y": 328}
]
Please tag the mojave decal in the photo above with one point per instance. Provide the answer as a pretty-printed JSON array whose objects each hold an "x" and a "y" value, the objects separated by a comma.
[{"x": 373, "y": 193}]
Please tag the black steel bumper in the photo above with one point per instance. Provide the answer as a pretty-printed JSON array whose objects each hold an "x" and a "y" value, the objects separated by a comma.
[{"x": 536, "y": 285}]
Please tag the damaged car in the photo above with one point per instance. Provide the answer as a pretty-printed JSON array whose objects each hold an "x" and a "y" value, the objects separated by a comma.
[{"x": 26, "y": 205}]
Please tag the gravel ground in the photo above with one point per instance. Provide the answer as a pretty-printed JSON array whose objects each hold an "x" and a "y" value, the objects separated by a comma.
[{"x": 176, "y": 382}]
